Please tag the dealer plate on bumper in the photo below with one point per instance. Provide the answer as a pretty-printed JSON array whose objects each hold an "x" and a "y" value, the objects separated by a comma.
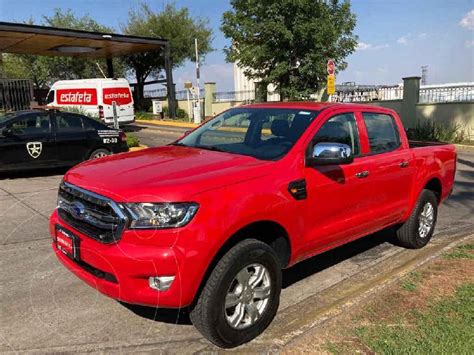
[{"x": 67, "y": 242}]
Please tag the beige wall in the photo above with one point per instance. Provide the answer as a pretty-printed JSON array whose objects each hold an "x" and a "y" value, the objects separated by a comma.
[{"x": 460, "y": 113}]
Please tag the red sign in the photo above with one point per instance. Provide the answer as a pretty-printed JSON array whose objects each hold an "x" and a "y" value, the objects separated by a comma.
[
  {"x": 121, "y": 96},
  {"x": 76, "y": 96},
  {"x": 331, "y": 67}
]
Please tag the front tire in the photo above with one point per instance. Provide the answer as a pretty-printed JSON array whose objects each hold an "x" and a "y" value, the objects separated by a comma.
[
  {"x": 417, "y": 231},
  {"x": 241, "y": 296}
]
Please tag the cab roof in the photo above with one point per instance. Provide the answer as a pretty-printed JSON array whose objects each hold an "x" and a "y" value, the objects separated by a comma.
[{"x": 313, "y": 105}]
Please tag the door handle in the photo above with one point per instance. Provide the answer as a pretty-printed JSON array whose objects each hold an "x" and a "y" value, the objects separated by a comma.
[
  {"x": 403, "y": 164},
  {"x": 362, "y": 174}
]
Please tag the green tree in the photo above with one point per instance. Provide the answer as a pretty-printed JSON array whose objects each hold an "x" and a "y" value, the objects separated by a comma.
[
  {"x": 288, "y": 42},
  {"x": 175, "y": 25}
]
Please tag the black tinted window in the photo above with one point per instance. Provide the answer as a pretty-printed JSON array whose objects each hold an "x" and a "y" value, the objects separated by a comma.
[
  {"x": 340, "y": 129},
  {"x": 33, "y": 123},
  {"x": 69, "y": 122},
  {"x": 382, "y": 132},
  {"x": 91, "y": 124}
]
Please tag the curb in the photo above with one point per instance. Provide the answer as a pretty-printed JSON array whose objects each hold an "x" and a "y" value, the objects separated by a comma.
[
  {"x": 167, "y": 123},
  {"x": 291, "y": 324},
  {"x": 464, "y": 147},
  {"x": 140, "y": 147}
]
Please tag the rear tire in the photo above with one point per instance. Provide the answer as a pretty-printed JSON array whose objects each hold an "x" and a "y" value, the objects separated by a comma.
[
  {"x": 241, "y": 296},
  {"x": 99, "y": 153},
  {"x": 417, "y": 231}
]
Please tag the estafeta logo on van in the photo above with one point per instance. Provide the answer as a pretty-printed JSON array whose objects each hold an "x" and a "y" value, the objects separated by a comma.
[
  {"x": 77, "y": 97},
  {"x": 121, "y": 96}
]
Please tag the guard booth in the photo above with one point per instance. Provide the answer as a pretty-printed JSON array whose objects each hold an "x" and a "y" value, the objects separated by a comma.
[{"x": 50, "y": 41}]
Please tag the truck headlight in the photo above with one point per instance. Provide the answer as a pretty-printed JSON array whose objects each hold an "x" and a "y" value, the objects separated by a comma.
[{"x": 160, "y": 215}]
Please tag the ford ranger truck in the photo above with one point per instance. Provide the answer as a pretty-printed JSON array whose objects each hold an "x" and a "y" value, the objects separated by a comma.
[{"x": 209, "y": 221}]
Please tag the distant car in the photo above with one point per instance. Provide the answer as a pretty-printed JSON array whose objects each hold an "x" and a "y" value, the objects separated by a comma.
[{"x": 46, "y": 139}]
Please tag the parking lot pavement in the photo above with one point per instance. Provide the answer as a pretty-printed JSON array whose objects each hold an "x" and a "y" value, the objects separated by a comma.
[{"x": 44, "y": 307}]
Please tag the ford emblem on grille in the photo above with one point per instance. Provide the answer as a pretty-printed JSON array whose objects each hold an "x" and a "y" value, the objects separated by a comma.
[{"x": 78, "y": 210}]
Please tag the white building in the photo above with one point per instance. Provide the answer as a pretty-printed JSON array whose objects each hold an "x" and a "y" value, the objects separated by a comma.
[{"x": 246, "y": 86}]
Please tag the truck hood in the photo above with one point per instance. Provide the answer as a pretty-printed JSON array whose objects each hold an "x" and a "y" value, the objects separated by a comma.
[{"x": 170, "y": 173}]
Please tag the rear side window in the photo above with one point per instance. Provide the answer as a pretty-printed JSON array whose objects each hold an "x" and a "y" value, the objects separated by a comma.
[
  {"x": 382, "y": 131},
  {"x": 340, "y": 129},
  {"x": 68, "y": 123}
]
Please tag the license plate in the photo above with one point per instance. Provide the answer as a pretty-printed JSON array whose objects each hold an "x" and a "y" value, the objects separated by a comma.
[{"x": 67, "y": 242}]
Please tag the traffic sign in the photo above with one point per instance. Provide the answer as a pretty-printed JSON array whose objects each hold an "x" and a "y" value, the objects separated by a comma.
[
  {"x": 331, "y": 86},
  {"x": 331, "y": 67}
]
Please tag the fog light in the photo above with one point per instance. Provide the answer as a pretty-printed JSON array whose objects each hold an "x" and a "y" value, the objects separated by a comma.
[{"x": 160, "y": 283}]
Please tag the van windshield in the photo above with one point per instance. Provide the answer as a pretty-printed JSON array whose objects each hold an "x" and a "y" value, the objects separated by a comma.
[
  {"x": 263, "y": 133},
  {"x": 50, "y": 97}
]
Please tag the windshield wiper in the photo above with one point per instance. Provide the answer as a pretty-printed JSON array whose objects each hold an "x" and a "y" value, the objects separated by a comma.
[
  {"x": 179, "y": 144},
  {"x": 210, "y": 147}
]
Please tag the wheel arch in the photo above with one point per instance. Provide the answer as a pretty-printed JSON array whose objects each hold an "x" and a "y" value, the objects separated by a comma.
[{"x": 267, "y": 231}]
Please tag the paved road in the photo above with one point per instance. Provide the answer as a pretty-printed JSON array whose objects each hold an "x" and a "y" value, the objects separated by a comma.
[{"x": 44, "y": 307}]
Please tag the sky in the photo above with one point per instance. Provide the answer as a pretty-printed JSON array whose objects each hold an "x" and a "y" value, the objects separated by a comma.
[{"x": 396, "y": 37}]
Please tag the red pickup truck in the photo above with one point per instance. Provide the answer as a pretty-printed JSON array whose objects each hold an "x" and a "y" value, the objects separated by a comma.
[{"x": 209, "y": 221}]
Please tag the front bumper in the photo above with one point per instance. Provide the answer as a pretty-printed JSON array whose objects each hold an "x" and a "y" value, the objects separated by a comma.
[{"x": 121, "y": 270}]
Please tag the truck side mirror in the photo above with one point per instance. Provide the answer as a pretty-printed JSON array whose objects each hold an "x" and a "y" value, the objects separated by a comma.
[{"x": 330, "y": 154}]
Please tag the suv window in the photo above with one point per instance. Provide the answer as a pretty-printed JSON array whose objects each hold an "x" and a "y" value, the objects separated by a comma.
[
  {"x": 382, "y": 131},
  {"x": 340, "y": 129},
  {"x": 67, "y": 122},
  {"x": 34, "y": 123}
]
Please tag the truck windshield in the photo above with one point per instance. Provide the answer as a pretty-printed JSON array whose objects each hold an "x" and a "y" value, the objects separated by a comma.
[{"x": 263, "y": 133}]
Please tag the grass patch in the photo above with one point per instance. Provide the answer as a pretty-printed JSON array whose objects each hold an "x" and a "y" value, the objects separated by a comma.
[
  {"x": 461, "y": 252},
  {"x": 445, "y": 327},
  {"x": 411, "y": 282},
  {"x": 132, "y": 141}
]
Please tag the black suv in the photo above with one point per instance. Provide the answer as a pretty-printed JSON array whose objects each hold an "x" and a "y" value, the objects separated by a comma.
[{"x": 47, "y": 139}]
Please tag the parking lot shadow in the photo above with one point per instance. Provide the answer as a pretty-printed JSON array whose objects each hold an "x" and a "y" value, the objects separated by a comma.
[
  {"x": 332, "y": 257},
  {"x": 165, "y": 315},
  {"x": 33, "y": 173}
]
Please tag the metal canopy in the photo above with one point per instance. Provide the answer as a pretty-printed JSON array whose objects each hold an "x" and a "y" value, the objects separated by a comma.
[{"x": 50, "y": 41}]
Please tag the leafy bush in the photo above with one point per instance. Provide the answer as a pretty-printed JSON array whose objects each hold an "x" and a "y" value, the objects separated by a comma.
[
  {"x": 132, "y": 141},
  {"x": 437, "y": 132},
  {"x": 80, "y": 111},
  {"x": 180, "y": 113},
  {"x": 140, "y": 115}
]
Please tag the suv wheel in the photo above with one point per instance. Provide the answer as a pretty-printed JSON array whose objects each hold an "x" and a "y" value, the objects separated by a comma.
[
  {"x": 241, "y": 296},
  {"x": 416, "y": 232}
]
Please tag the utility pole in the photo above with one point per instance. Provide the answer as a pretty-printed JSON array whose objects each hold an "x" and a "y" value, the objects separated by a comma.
[
  {"x": 197, "y": 108},
  {"x": 424, "y": 75}
]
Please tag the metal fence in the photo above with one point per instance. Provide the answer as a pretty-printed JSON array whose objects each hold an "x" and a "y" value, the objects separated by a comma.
[
  {"x": 245, "y": 96},
  {"x": 365, "y": 93},
  {"x": 447, "y": 93},
  {"x": 15, "y": 94}
]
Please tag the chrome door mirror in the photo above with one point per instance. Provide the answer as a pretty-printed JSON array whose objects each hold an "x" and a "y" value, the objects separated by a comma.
[{"x": 330, "y": 154}]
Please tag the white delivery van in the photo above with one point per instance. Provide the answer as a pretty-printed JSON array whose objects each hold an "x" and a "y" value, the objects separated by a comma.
[{"x": 94, "y": 97}]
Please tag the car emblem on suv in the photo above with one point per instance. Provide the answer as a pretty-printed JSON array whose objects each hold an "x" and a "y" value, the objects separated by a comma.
[
  {"x": 78, "y": 210},
  {"x": 34, "y": 149}
]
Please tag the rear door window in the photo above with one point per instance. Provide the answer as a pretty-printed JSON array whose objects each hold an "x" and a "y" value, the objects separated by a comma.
[
  {"x": 382, "y": 131},
  {"x": 67, "y": 122}
]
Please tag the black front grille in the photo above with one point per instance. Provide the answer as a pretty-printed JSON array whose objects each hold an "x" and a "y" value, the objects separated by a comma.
[{"x": 96, "y": 216}]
